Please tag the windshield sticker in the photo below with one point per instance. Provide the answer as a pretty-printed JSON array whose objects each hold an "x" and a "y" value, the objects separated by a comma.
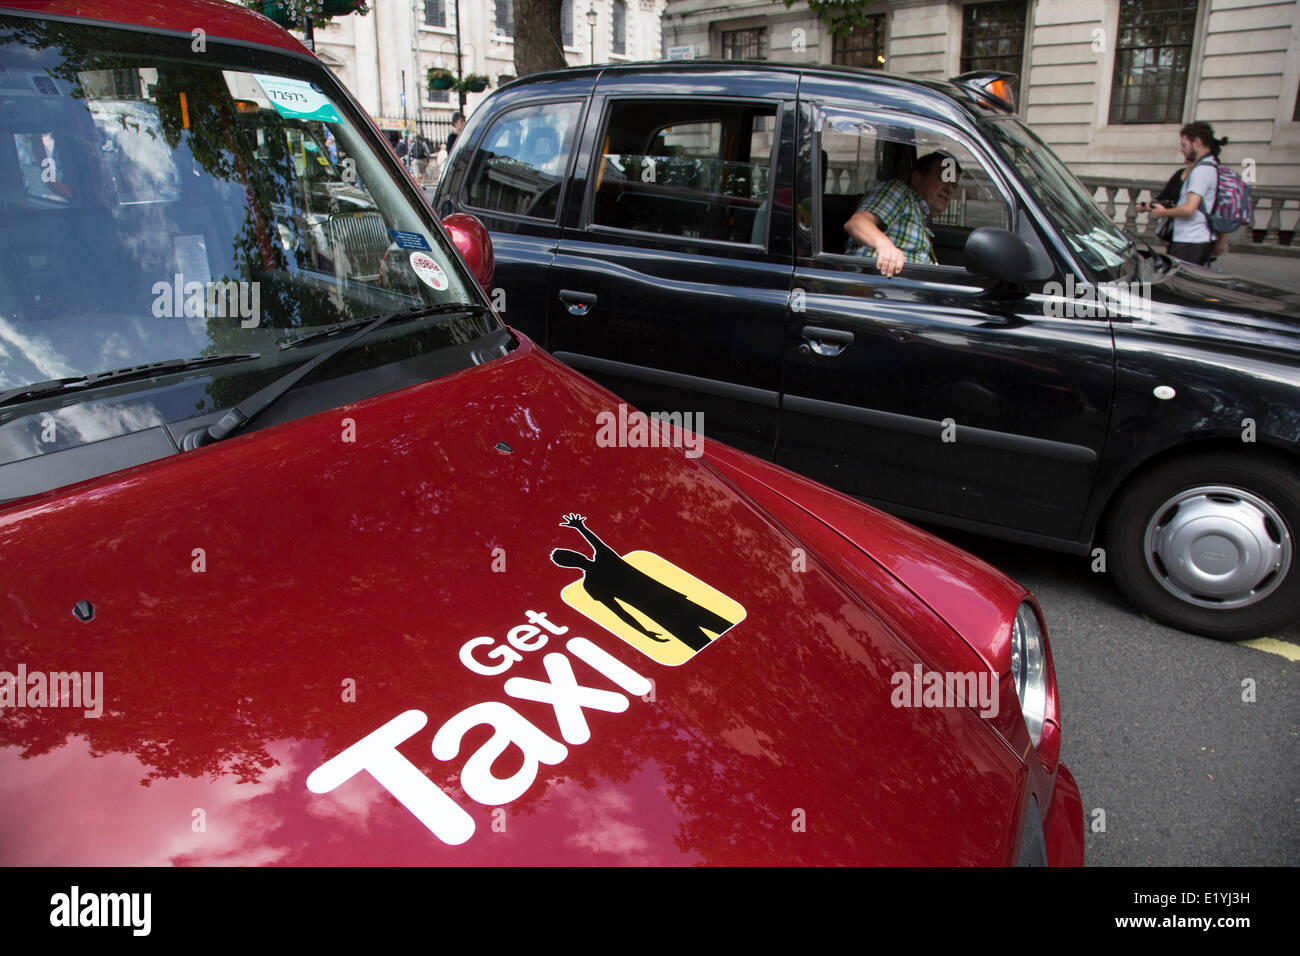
[
  {"x": 644, "y": 598},
  {"x": 430, "y": 272},
  {"x": 298, "y": 99},
  {"x": 409, "y": 240},
  {"x": 664, "y": 612}
]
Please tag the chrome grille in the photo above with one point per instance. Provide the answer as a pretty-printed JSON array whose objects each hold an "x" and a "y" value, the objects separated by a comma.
[{"x": 359, "y": 241}]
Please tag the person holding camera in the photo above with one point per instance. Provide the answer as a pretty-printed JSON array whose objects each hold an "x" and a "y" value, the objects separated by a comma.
[{"x": 1197, "y": 185}]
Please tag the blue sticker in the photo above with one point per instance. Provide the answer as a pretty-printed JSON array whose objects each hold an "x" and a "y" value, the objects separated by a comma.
[{"x": 409, "y": 240}]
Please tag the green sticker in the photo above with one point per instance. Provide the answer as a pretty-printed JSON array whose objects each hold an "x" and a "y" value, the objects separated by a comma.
[{"x": 298, "y": 99}]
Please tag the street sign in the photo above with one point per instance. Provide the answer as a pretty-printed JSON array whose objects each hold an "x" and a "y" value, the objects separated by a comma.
[{"x": 681, "y": 53}]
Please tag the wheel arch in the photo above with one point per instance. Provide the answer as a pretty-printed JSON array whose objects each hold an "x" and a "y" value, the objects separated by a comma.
[{"x": 1191, "y": 447}]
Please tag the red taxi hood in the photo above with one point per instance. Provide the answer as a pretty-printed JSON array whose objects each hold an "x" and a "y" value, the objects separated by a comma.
[{"x": 264, "y": 604}]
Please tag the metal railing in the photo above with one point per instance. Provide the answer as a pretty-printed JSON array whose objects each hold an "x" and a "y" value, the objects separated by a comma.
[{"x": 1277, "y": 210}]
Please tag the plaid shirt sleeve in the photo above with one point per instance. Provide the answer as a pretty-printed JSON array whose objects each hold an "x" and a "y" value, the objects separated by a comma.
[{"x": 902, "y": 220}]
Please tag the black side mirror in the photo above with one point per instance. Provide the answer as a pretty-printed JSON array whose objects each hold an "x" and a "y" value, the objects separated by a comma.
[{"x": 999, "y": 254}]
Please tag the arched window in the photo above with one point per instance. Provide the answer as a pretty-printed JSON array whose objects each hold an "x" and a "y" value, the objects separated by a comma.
[{"x": 618, "y": 23}]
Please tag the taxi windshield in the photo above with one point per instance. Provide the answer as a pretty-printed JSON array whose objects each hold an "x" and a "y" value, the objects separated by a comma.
[
  {"x": 1102, "y": 247},
  {"x": 160, "y": 203}
]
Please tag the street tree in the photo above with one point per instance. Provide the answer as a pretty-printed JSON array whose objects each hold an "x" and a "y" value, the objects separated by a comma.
[
  {"x": 840, "y": 16},
  {"x": 538, "y": 42}
]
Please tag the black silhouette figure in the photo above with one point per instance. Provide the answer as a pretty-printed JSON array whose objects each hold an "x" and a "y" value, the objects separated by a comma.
[{"x": 609, "y": 579}]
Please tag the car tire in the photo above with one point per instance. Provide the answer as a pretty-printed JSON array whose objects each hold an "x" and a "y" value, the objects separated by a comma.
[{"x": 1210, "y": 544}]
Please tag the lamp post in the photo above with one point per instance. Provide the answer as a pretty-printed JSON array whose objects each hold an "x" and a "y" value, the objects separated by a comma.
[
  {"x": 591, "y": 27},
  {"x": 460, "y": 88}
]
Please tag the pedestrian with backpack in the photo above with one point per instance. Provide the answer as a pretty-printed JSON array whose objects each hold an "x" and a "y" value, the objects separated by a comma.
[{"x": 1193, "y": 238}]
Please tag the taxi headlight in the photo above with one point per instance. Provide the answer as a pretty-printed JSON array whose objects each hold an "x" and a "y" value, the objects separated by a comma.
[{"x": 1029, "y": 669}]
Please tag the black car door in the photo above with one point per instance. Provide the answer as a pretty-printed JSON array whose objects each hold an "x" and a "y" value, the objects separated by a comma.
[
  {"x": 513, "y": 179},
  {"x": 933, "y": 392},
  {"x": 671, "y": 281}
]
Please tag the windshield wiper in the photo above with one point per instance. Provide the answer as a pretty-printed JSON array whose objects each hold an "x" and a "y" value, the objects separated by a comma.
[
  {"x": 260, "y": 401},
  {"x": 79, "y": 383},
  {"x": 419, "y": 312}
]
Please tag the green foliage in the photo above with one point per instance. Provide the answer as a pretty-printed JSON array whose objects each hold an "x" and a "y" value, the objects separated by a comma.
[
  {"x": 289, "y": 13},
  {"x": 840, "y": 16}
]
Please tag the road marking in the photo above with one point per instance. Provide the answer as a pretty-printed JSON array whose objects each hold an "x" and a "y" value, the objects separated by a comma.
[{"x": 1273, "y": 646}]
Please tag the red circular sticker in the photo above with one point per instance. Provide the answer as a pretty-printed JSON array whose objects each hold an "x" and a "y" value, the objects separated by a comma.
[{"x": 430, "y": 272}]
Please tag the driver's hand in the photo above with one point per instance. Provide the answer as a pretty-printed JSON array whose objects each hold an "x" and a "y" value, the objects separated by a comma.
[{"x": 889, "y": 259}]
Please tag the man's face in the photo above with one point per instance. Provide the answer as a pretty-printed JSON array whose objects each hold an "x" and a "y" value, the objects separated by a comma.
[
  {"x": 1192, "y": 148},
  {"x": 938, "y": 186},
  {"x": 457, "y": 124}
]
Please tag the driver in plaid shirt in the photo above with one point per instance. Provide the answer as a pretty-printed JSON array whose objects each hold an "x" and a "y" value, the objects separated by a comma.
[{"x": 890, "y": 221}]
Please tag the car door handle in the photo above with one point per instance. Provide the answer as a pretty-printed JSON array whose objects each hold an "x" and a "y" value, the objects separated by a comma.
[
  {"x": 826, "y": 342},
  {"x": 578, "y": 303}
]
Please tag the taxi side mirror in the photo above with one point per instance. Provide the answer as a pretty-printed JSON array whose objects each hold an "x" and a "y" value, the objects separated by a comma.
[{"x": 999, "y": 254}]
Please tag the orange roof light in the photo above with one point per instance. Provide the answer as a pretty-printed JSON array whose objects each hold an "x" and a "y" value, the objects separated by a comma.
[{"x": 996, "y": 89}]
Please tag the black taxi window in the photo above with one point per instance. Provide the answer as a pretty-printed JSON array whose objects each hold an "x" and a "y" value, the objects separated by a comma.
[
  {"x": 706, "y": 174},
  {"x": 519, "y": 164}
]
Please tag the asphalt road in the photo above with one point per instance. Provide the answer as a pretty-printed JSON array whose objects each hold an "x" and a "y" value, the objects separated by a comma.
[{"x": 1155, "y": 728}]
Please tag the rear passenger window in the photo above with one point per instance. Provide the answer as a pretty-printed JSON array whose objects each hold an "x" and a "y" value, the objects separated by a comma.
[
  {"x": 519, "y": 164},
  {"x": 691, "y": 170}
]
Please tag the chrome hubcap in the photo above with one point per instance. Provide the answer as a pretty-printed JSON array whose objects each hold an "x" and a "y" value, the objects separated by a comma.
[{"x": 1219, "y": 547}]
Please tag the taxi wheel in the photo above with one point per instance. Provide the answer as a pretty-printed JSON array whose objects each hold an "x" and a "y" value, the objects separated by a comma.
[{"x": 1211, "y": 544}]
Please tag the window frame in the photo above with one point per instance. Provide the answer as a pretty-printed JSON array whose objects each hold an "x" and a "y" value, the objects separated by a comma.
[
  {"x": 880, "y": 20},
  {"x": 497, "y": 29},
  {"x": 1190, "y": 78},
  {"x": 463, "y": 196},
  {"x": 989, "y": 162},
  {"x": 760, "y": 30},
  {"x": 617, "y": 38},
  {"x": 1026, "y": 28},
  {"x": 442, "y": 11},
  {"x": 588, "y": 227}
]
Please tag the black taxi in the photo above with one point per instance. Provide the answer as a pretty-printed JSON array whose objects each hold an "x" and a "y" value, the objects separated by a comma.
[{"x": 677, "y": 232}]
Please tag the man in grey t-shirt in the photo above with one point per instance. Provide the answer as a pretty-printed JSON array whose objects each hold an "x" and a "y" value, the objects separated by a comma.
[{"x": 1193, "y": 240}]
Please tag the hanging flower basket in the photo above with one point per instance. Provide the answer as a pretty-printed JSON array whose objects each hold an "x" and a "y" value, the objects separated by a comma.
[
  {"x": 475, "y": 83},
  {"x": 441, "y": 79}
]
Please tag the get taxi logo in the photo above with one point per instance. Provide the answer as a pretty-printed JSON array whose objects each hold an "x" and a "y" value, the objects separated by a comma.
[{"x": 664, "y": 612}]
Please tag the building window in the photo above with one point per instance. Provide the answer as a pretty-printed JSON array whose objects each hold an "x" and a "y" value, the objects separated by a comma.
[
  {"x": 864, "y": 46},
  {"x": 566, "y": 22},
  {"x": 618, "y": 23},
  {"x": 993, "y": 36},
  {"x": 505, "y": 18},
  {"x": 435, "y": 13},
  {"x": 745, "y": 44},
  {"x": 1295, "y": 114},
  {"x": 1152, "y": 55}
]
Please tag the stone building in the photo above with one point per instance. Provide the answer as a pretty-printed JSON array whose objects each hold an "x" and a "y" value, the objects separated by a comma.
[{"x": 1107, "y": 83}]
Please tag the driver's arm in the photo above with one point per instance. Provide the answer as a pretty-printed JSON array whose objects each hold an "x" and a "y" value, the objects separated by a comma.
[{"x": 864, "y": 228}]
